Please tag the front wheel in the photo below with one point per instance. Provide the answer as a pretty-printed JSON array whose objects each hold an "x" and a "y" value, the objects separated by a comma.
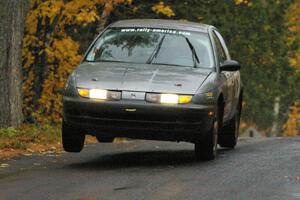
[
  {"x": 72, "y": 138},
  {"x": 229, "y": 134},
  {"x": 206, "y": 149}
]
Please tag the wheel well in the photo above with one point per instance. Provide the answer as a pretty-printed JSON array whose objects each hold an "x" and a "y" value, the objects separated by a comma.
[
  {"x": 220, "y": 107},
  {"x": 240, "y": 103}
]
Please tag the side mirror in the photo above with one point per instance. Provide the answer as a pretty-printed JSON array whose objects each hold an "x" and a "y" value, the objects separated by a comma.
[{"x": 230, "y": 65}]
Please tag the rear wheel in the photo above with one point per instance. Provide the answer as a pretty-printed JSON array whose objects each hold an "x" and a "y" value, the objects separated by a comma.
[
  {"x": 72, "y": 138},
  {"x": 105, "y": 139}
]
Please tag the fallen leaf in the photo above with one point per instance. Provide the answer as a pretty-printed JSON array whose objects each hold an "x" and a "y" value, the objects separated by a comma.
[
  {"x": 30, "y": 150},
  {"x": 37, "y": 164},
  {"x": 4, "y": 165}
]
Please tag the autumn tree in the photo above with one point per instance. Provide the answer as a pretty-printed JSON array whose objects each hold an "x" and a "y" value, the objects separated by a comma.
[
  {"x": 50, "y": 52},
  {"x": 12, "y": 17},
  {"x": 292, "y": 125}
]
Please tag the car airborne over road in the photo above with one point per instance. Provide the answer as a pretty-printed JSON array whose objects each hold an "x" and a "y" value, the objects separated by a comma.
[{"x": 157, "y": 80}]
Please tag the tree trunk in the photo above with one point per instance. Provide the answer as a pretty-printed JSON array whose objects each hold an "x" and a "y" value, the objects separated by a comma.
[
  {"x": 12, "y": 20},
  {"x": 275, "y": 125},
  {"x": 104, "y": 16}
]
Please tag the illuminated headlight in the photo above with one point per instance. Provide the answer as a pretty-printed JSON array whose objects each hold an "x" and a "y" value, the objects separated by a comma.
[
  {"x": 168, "y": 98},
  {"x": 99, "y": 94}
]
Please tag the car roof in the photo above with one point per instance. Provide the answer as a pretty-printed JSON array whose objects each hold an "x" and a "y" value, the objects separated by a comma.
[{"x": 162, "y": 23}]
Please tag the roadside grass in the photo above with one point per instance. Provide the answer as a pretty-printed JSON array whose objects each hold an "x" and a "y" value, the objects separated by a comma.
[
  {"x": 23, "y": 136},
  {"x": 29, "y": 138}
]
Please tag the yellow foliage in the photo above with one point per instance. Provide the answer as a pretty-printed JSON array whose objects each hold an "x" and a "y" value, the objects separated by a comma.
[
  {"x": 245, "y": 2},
  {"x": 161, "y": 8},
  {"x": 293, "y": 21},
  {"x": 49, "y": 54},
  {"x": 292, "y": 126},
  {"x": 293, "y": 16}
]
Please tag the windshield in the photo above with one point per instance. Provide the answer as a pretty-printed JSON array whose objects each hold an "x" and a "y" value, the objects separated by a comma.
[{"x": 153, "y": 46}]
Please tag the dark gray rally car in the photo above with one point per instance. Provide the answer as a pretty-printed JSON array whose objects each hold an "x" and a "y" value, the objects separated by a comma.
[{"x": 157, "y": 80}]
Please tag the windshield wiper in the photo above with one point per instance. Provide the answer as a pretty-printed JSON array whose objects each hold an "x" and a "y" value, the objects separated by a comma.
[
  {"x": 156, "y": 50},
  {"x": 195, "y": 56}
]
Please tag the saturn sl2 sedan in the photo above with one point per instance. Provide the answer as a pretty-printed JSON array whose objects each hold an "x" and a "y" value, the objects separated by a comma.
[{"x": 155, "y": 80}]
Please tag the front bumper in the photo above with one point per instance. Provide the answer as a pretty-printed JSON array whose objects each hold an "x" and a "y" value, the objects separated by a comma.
[{"x": 138, "y": 119}]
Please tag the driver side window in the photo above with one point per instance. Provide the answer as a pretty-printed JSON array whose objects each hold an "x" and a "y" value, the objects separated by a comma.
[{"x": 219, "y": 48}]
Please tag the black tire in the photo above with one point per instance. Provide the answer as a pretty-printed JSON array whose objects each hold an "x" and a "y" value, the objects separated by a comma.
[
  {"x": 229, "y": 134},
  {"x": 105, "y": 139},
  {"x": 72, "y": 138},
  {"x": 206, "y": 149}
]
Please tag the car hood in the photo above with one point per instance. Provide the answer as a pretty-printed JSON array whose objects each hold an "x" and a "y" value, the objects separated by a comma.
[{"x": 140, "y": 77}]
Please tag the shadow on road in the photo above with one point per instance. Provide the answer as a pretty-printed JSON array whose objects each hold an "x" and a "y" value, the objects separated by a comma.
[
  {"x": 145, "y": 159},
  {"x": 139, "y": 159}
]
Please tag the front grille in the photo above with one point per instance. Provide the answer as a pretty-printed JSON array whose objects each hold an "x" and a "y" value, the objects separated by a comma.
[
  {"x": 137, "y": 117},
  {"x": 136, "y": 124}
]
